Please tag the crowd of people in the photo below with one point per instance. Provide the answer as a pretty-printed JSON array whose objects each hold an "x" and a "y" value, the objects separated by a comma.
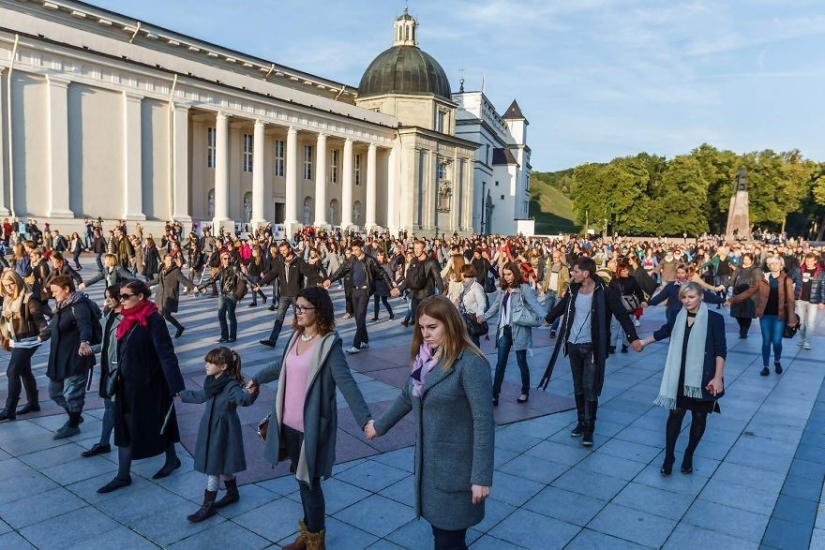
[{"x": 591, "y": 293}]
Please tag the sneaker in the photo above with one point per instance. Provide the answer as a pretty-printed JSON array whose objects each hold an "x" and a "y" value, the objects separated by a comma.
[
  {"x": 801, "y": 343},
  {"x": 765, "y": 371},
  {"x": 230, "y": 340},
  {"x": 346, "y": 316},
  {"x": 777, "y": 367},
  {"x": 353, "y": 350},
  {"x": 221, "y": 340},
  {"x": 365, "y": 345},
  {"x": 806, "y": 345},
  {"x": 66, "y": 431},
  {"x": 637, "y": 323}
]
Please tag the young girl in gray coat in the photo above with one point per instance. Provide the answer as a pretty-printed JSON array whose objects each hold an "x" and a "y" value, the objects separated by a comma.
[{"x": 219, "y": 453}]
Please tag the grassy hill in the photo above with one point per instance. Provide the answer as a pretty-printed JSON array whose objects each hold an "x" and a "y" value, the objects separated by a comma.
[{"x": 552, "y": 210}]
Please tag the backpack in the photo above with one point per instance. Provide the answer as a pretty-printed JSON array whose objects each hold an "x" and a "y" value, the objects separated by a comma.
[
  {"x": 417, "y": 275},
  {"x": 96, "y": 314}
]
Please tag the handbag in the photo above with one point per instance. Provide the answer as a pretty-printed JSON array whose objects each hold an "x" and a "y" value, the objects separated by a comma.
[
  {"x": 524, "y": 316},
  {"x": 790, "y": 331},
  {"x": 263, "y": 427},
  {"x": 112, "y": 383},
  {"x": 630, "y": 302},
  {"x": 474, "y": 328}
]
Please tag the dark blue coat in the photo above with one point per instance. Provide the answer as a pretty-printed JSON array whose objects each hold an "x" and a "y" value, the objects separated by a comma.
[{"x": 715, "y": 346}]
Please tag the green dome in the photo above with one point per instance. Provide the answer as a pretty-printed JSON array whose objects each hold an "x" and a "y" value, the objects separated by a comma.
[{"x": 404, "y": 70}]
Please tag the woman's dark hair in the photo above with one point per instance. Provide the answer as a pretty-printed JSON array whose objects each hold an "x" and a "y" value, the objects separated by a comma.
[
  {"x": 229, "y": 357},
  {"x": 113, "y": 292},
  {"x": 138, "y": 287},
  {"x": 467, "y": 270},
  {"x": 324, "y": 312},
  {"x": 63, "y": 281},
  {"x": 516, "y": 270},
  {"x": 57, "y": 256}
]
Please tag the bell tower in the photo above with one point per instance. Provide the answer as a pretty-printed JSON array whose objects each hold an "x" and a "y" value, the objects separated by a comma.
[{"x": 405, "y": 30}]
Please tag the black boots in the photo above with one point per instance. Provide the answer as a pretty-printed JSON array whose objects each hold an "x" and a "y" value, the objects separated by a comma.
[
  {"x": 579, "y": 429},
  {"x": 207, "y": 509},
  {"x": 32, "y": 401},
  {"x": 232, "y": 495},
  {"x": 10, "y": 412},
  {"x": 590, "y": 408}
]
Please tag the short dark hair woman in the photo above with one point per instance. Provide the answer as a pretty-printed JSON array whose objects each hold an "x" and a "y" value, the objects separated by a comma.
[
  {"x": 22, "y": 319},
  {"x": 145, "y": 421},
  {"x": 70, "y": 355},
  {"x": 305, "y": 419},
  {"x": 449, "y": 393}
]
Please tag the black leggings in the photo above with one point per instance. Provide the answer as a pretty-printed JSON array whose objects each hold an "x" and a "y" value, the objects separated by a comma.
[
  {"x": 449, "y": 540},
  {"x": 312, "y": 497},
  {"x": 674, "y": 426},
  {"x": 171, "y": 320},
  {"x": 378, "y": 299},
  {"x": 19, "y": 374}
]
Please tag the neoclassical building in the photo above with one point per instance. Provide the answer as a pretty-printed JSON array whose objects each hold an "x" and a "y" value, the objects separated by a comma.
[{"x": 103, "y": 115}]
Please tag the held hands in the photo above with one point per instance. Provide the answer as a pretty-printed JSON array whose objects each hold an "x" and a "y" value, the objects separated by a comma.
[
  {"x": 81, "y": 286},
  {"x": 369, "y": 430},
  {"x": 479, "y": 319},
  {"x": 637, "y": 345},
  {"x": 326, "y": 283},
  {"x": 395, "y": 292},
  {"x": 727, "y": 303},
  {"x": 251, "y": 387},
  {"x": 84, "y": 349},
  {"x": 480, "y": 492},
  {"x": 644, "y": 305},
  {"x": 715, "y": 386}
]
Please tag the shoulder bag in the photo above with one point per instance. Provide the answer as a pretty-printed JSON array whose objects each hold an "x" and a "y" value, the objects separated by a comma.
[{"x": 524, "y": 316}]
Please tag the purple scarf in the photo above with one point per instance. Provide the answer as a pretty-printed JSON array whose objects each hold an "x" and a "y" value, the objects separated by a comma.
[{"x": 423, "y": 364}]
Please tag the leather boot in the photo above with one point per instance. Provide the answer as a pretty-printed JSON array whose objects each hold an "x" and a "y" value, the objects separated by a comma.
[
  {"x": 232, "y": 495},
  {"x": 10, "y": 412},
  {"x": 300, "y": 543},
  {"x": 590, "y": 408},
  {"x": 315, "y": 541},
  {"x": 579, "y": 429},
  {"x": 207, "y": 509},
  {"x": 32, "y": 401}
]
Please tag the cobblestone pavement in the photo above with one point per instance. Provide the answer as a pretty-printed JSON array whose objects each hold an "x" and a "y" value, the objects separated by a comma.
[{"x": 757, "y": 481}]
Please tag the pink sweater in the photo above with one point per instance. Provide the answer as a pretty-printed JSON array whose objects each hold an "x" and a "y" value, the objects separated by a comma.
[{"x": 297, "y": 370}]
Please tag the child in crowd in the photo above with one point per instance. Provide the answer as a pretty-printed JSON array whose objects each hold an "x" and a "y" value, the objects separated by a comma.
[{"x": 219, "y": 453}]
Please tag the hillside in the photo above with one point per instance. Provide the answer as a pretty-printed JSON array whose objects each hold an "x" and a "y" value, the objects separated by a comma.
[{"x": 552, "y": 210}]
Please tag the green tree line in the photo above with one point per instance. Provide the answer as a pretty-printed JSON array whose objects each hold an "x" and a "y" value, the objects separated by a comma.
[{"x": 651, "y": 195}]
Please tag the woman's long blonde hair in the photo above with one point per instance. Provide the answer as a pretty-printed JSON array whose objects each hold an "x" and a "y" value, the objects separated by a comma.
[
  {"x": 10, "y": 275},
  {"x": 456, "y": 338}
]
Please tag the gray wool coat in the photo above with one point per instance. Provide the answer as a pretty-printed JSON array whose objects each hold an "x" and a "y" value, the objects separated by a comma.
[
  {"x": 454, "y": 439},
  {"x": 220, "y": 437},
  {"x": 522, "y": 336},
  {"x": 167, "y": 293},
  {"x": 329, "y": 371}
]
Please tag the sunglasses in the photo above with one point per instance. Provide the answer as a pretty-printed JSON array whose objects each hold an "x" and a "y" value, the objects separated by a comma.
[{"x": 124, "y": 297}]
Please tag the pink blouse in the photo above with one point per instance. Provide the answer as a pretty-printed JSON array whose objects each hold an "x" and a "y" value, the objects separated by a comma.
[{"x": 297, "y": 371}]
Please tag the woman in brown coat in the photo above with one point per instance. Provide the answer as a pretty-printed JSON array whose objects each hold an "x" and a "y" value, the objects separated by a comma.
[{"x": 774, "y": 308}]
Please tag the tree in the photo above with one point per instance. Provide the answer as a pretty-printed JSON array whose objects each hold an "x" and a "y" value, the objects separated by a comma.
[{"x": 680, "y": 205}]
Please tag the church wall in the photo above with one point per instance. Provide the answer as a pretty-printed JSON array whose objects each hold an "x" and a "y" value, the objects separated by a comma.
[
  {"x": 155, "y": 159},
  {"x": 30, "y": 144},
  {"x": 202, "y": 178}
]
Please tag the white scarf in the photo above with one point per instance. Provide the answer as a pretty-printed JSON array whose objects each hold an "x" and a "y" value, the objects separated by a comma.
[{"x": 694, "y": 359}]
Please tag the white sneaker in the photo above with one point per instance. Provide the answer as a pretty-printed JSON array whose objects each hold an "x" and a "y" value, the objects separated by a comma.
[
  {"x": 364, "y": 345},
  {"x": 347, "y": 316},
  {"x": 353, "y": 349},
  {"x": 637, "y": 323},
  {"x": 801, "y": 343},
  {"x": 806, "y": 345}
]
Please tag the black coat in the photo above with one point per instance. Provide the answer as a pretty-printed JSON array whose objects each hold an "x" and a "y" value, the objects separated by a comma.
[
  {"x": 167, "y": 293},
  {"x": 72, "y": 324},
  {"x": 372, "y": 268},
  {"x": 432, "y": 275},
  {"x": 151, "y": 377}
]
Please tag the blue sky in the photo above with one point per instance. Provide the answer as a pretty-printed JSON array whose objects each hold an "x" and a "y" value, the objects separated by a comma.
[{"x": 596, "y": 78}]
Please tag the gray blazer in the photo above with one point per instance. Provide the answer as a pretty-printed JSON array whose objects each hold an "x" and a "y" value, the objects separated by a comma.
[
  {"x": 454, "y": 440},
  {"x": 220, "y": 438},
  {"x": 329, "y": 370},
  {"x": 522, "y": 336}
]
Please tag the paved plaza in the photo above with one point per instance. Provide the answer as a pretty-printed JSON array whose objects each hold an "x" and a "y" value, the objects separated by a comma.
[{"x": 757, "y": 481}]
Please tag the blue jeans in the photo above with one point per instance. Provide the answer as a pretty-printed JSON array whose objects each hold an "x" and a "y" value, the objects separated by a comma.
[
  {"x": 505, "y": 342},
  {"x": 772, "y": 328},
  {"x": 284, "y": 303},
  {"x": 99, "y": 261},
  {"x": 226, "y": 308},
  {"x": 550, "y": 301}
]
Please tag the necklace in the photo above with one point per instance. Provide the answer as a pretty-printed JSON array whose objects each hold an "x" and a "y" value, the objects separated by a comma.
[{"x": 305, "y": 338}]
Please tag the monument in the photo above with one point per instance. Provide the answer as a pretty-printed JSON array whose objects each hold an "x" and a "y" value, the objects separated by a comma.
[{"x": 739, "y": 224}]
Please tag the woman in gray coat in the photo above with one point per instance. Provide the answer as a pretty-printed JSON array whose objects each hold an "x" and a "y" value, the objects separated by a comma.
[
  {"x": 510, "y": 301},
  {"x": 167, "y": 292},
  {"x": 449, "y": 393},
  {"x": 304, "y": 422}
]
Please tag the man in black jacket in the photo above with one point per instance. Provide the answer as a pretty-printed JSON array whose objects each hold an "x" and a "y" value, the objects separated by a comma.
[
  {"x": 364, "y": 270},
  {"x": 290, "y": 272},
  {"x": 423, "y": 279},
  {"x": 585, "y": 336}
]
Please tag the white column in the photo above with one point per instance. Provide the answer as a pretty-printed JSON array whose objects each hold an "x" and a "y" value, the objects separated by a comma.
[
  {"x": 180, "y": 164},
  {"x": 58, "y": 148},
  {"x": 371, "y": 184},
  {"x": 258, "y": 150},
  {"x": 346, "y": 186},
  {"x": 132, "y": 159},
  {"x": 221, "y": 174},
  {"x": 393, "y": 201},
  {"x": 291, "y": 179},
  {"x": 3, "y": 210},
  {"x": 321, "y": 205}
]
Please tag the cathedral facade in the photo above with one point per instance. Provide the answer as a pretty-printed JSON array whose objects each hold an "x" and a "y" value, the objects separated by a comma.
[{"x": 105, "y": 116}]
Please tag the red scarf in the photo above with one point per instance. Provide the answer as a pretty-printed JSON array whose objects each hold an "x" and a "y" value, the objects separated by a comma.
[{"x": 136, "y": 315}]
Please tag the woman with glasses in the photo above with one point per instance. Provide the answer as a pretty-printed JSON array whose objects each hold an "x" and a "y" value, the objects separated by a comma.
[
  {"x": 22, "y": 319},
  {"x": 232, "y": 283},
  {"x": 304, "y": 421},
  {"x": 149, "y": 379}
]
